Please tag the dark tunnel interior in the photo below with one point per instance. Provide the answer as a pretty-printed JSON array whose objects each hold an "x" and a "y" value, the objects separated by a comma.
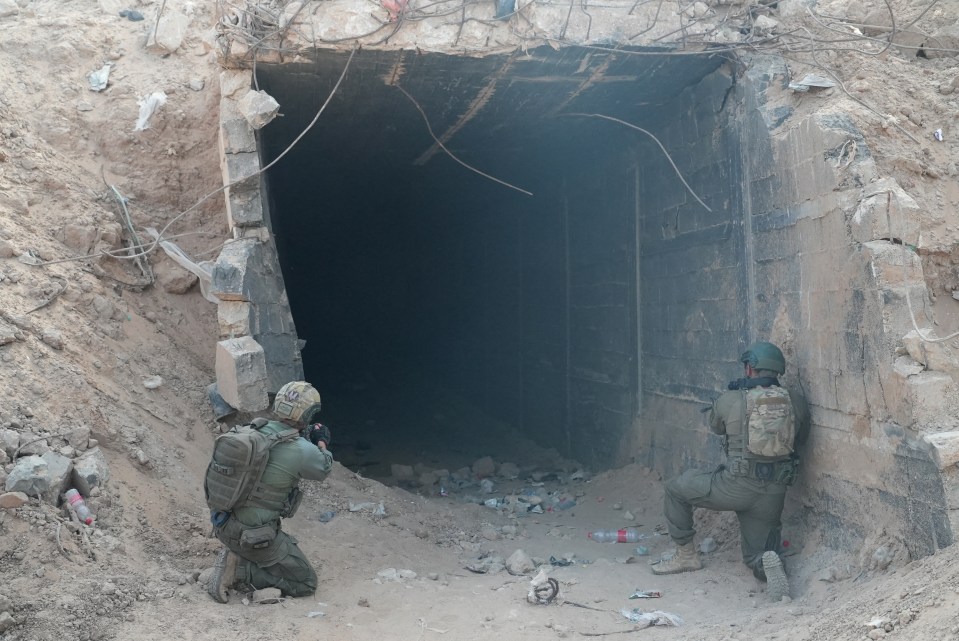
[{"x": 408, "y": 271}]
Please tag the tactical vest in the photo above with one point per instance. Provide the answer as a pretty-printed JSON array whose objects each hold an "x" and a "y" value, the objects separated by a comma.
[
  {"x": 234, "y": 475},
  {"x": 768, "y": 427}
]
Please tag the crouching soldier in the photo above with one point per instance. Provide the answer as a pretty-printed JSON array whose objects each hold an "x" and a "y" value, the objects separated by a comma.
[{"x": 252, "y": 483}]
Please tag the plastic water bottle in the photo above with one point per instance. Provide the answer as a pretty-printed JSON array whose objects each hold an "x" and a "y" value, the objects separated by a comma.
[
  {"x": 626, "y": 535},
  {"x": 73, "y": 498}
]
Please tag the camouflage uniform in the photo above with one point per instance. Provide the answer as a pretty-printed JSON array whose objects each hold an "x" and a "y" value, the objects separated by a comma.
[
  {"x": 280, "y": 564},
  {"x": 758, "y": 503}
]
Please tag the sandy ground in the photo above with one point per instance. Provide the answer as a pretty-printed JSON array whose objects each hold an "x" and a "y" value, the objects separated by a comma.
[{"x": 80, "y": 354}]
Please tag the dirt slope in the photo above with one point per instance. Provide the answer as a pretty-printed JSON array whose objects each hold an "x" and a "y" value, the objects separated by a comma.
[{"x": 86, "y": 336}]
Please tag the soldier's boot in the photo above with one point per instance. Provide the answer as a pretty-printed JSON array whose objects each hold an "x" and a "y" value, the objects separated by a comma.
[
  {"x": 223, "y": 577},
  {"x": 777, "y": 585},
  {"x": 685, "y": 559}
]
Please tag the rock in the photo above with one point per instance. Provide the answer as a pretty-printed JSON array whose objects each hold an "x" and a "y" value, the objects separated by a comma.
[
  {"x": 80, "y": 237},
  {"x": 402, "y": 472},
  {"x": 37, "y": 446},
  {"x": 8, "y": 8},
  {"x": 174, "y": 279},
  {"x": 406, "y": 575},
  {"x": 90, "y": 471},
  {"x": 67, "y": 451},
  {"x": 877, "y": 633},
  {"x": 484, "y": 467},
  {"x": 627, "y": 515},
  {"x": 938, "y": 357},
  {"x": 389, "y": 574},
  {"x": 204, "y": 577},
  {"x": 197, "y": 84},
  {"x": 519, "y": 563},
  {"x": 428, "y": 478},
  {"x": 258, "y": 108},
  {"x": 78, "y": 437},
  {"x": 764, "y": 25},
  {"x": 489, "y": 533},
  {"x": 52, "y": 337},
  {"x": 59, "y": 471},
  {"x": 6, "y": 621},
  {"x": 102, "y": 307},
  {"x": 708, "y": 545},
  {"x": 508, "y": 470},
  {"x": 142, "y": 458},
  {"x": 267, "y": 596},
  {"x": 13, "y": 500},
  {"x": 9, "y": 441},
  {"x": 29, "y": 476},
  {"x": 7, "y": 250},
  {"x": 108, "y": 588},
  {"x": 168, "y": 33},
  {"x": 7, "y": 334}
]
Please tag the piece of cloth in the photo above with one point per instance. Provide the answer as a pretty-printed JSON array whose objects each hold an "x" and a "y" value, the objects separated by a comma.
[{"x": 276, "y": 561}]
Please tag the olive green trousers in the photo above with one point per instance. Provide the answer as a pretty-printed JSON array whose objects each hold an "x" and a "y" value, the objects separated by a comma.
[
  {"x": 758, "y": 504},
  {"x": 280, "y": 563}
]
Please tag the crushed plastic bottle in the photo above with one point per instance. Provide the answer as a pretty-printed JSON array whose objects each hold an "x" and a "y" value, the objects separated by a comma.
[
  {"x": 76, "y": 500},
  {"x": 626, "y": 535}
]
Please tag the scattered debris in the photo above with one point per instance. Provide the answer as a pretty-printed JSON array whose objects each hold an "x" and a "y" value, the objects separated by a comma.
[
  {"x": 132, "y": 15},
  {"x": 646, "y": 594},
  {"x": 810, "y": 81},
  {"x": 98, "y": 79},
  {"x": 267, "y": 596},
  {"x": 938, "y": 135},
  {"x": 647, "y": 619},
  {"x": 153, "y": 382},
  {"x": 543, "y": 589},
  {"x": 148, "y": 107}
]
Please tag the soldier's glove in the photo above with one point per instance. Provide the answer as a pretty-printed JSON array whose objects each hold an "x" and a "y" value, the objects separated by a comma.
[{"x": 319, "y": 432}]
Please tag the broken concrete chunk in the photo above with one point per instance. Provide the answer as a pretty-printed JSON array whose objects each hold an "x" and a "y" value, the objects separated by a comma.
[
  {"x": 52, "y": 337},
  {"x": 90, "y": 471},
  {"x": 59, "y": 471},
  {"x": 13, "y": 500},
  {"x": 31, "y": 443},
  {"x": 9, "y": 441},
  {"x": 174, "y": 279},
  {"x": 945, "y": 448},
  {"x": 258, "y": 108},
  {"x": 241, "y": 375},
  {"x": 167, "y": 35},
  {"x": 29, "y": 476},
  {"x": 78, "y": 437},
  {"x": 519, "y": 563}
]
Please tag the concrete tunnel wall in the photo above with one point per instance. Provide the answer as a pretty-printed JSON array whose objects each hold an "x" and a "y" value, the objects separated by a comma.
[{"x": 617, "y": 280}]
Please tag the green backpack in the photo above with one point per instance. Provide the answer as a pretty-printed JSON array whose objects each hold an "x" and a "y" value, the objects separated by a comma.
[
  {"x": 770, "y": 422},
  {"x": 236, "y": 468}
]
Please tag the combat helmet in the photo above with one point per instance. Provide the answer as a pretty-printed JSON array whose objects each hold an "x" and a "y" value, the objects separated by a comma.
[
  {"x": 763, "y": 355},
  {"x": 297, "y": 401}
]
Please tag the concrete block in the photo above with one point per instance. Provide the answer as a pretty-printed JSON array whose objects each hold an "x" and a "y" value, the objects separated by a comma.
[
  {"x": 945, "y": 448},
  {"x": 258, "y": 108},
  {"x": 90, "y": 471},
  {"x": 168, "y": 34},
  {"x": 239, "y": 170},
  {"x": 938, "y": 357},
  {"x": 886, "y": 211},
  {"x": 245, "y": 209},
  {"x": 893, "y": 264},
  {"x": 235, "y": 82},
  {"x": 235, "y": 318},
  {"x": 236, "y": 135},
  {"x": 60, "y": 471},
  {"x": 241, "y": 375},
  {"x": 29, "y": 476},
  {"x": 931, "y": 395},
  {"x": 36, "y": 447},
  {"x": 233, "y": 270}
]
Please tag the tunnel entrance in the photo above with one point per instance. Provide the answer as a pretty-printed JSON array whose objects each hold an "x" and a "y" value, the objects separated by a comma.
[{"x": 415, "y": 280}]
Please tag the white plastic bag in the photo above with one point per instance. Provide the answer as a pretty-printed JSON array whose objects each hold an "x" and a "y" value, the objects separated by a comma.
[{"x": 148, "y": 106}]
